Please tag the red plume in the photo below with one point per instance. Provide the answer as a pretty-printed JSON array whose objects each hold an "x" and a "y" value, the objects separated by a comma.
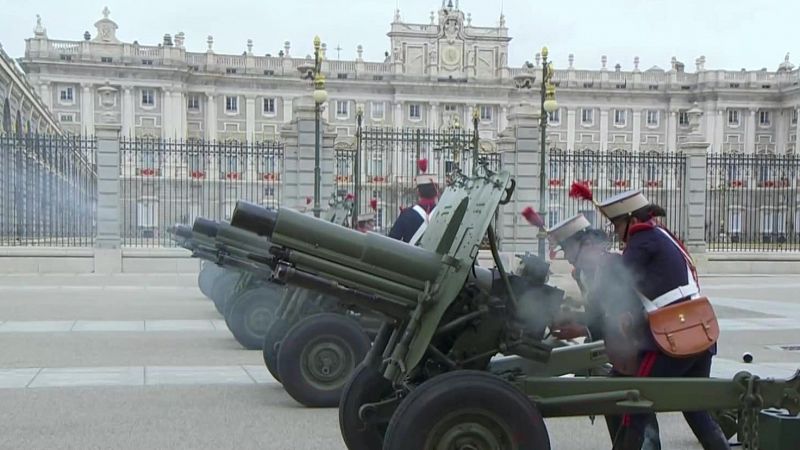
[
  {"x": 374, "y": 204},
  {"x": 308, "y": 200},
  {"x": 533, "y": 217},
  {"x": 349, "y": 197},
  {"x": 422, "y": 165},
  {"x": 581, "y": 191}
]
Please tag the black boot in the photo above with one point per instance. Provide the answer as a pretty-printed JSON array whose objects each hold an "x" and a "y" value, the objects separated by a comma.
[{"x": 714, "y": 440}]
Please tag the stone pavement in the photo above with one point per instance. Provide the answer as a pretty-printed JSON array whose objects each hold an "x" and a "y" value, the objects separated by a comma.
[{"x": 146, "y": 362}]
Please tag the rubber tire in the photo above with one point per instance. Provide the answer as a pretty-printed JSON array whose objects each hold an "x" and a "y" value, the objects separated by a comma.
[
  {"x": 314, "y": 328},
  {"x": 365, "y": 385},
  {"x": 223, "y": 285},
  {"x": 208, "y": 274},
  {"x": 275, "y": 334},
  {"x": 440, "y": 396},
  {"x": 238, "y": 309}
]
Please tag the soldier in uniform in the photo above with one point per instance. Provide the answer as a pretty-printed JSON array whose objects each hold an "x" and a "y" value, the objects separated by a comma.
[
  {"x": 365, "y": 222},
  {"x": 609, "y": 308},
  {"x": 412, "y": 222},
  {"x": 662, "y": 272}
]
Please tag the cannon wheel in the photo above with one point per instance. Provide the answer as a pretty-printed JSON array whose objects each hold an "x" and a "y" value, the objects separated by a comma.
[
  {"x": 317, "y": 357},
  {"x": 366, "y": 385},
  {"x": 208, "y": 274},
  {"x": 249, "y": 315},
  {"x": 222, "y": 287},
  {"x": 272, "y": 338},
  {"x": 466, "y": 409}
]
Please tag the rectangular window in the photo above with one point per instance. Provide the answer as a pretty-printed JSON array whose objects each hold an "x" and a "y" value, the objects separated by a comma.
[
  {"x": 146, "y": 214},
  {"x": 147, "y": 62},
  {"x": 554, "y": 117},
  {"x": 763, "y": 118},
  {"x": 652, "y": 118},
  {"x": 193, "y": 102},
  {"x": 450, "y": 108},
  {"x": 106, "y": 59},
  {"x": 269, "y": 106},
  {"x": 735, "y": 221},
  {"x": 733, "y": 117},
  {"x": 486, "y": 113},
  {"x": 553, "y": 216},
  {"x": 587, "y": 116},
  {"x": 66, "y": 118},
  {"x": 148, "y": 97},
  {"x": 66, "y": 95},
  {"x": 794, "y": 117},
  {"x": 342, "y": 108},
  {"x": 767, "y": 218},
  {"x": 231, "y": 103},
  {"x": 683, "y": 118},
  {"x": 620, "y": 117},
  {"x": 414, "y": 111},
  {"x": 377, "y": 110}
]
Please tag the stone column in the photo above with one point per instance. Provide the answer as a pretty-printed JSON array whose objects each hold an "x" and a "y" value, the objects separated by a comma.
[
  {"x": 637, "y": 129},
  {"x": 719, "y": 130},
  {"x": 107, "y": 253},
  {"x": 797, "y": 133},
  {"x": 298, "y": 172},
  {"x": 604, "y": 129},
  {"x": 183, "y": 110},
  {"x": 250, "y": 117},
  {"x": 750, "y": 131},
  {"x": 672, "y": 130},
  {"x": 46, "y": 94},
  {"x": 287, "y": 109},
  {"x": 519, "y": 147},
  {"x": 570, "y": 129},
  {"x": 211, "y": 117},
  {"x": 696, "y": 150},
  {"x": 780, "y": 129},
  {"x": 128, "y": 124},
  {"x": 167, "y": 125},
  {"x": 398, "y": 114},
  {"x": 87, "y": 109},
  {"x": 503, "y": 121},
  {"x": 433, "y": 116}
]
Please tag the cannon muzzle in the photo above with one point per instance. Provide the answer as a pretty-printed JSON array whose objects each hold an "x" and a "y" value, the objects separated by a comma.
[
  {"x": 182, "y": 231},
  {"x": 254, "y": 218},
  {"x": 205, "y": 227}
]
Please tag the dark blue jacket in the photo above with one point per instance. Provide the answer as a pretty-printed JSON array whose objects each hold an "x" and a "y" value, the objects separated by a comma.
[
  {"x": 406, "y": 225},
  {"x": 656, "y": 264}
]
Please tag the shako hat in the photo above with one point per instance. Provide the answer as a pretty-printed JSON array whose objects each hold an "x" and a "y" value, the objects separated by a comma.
[{"x": 623, "y": 204}]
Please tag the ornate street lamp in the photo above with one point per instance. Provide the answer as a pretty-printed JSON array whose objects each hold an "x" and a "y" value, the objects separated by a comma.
[
  {"x": 548, "y": 105},
  {"x": 320, "y": 96}
]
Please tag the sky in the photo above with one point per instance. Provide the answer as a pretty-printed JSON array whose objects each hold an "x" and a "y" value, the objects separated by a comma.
[{"x": 731, "y": 34}]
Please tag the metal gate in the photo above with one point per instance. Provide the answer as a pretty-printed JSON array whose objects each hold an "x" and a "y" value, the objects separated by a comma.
[{"x": 381, "y": 169}]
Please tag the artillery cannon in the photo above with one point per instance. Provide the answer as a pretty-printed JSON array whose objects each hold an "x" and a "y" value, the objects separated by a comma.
[
  {"x": 429, "y": 379},
  {"x": 246, "y": 300}
]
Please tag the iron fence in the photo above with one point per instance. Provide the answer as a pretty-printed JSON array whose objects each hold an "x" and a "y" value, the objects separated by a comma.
[
  {"x": 752, "y": 202},
  {"x": 48, "y": 190},
  {"x": 384, "y": 164},
  {"x": 164, "y": 182},
  {"x": 660, "y": 176}
]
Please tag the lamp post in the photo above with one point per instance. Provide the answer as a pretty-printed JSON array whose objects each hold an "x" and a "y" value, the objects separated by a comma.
[
  {"x": 320, "y": 96},
  {"x": 548, "y": 105}
]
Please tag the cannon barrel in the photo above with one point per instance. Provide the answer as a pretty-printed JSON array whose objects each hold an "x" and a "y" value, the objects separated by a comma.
[
  {"x": 206, "y": 227},
  {"x": 253, "y": 218},
  {"x": 182, "y": 231},
  {"x": 372, "y": 253}
]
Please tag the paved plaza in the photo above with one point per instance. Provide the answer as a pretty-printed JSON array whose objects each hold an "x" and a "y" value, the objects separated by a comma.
[{"x": 145, "y": 361}]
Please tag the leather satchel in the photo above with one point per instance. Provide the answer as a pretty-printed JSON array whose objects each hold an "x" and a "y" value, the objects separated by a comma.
[{"x": 684, "y": 329}]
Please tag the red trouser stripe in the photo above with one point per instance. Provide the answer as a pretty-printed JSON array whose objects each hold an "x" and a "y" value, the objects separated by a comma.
[{"x": 645, "y": 367}]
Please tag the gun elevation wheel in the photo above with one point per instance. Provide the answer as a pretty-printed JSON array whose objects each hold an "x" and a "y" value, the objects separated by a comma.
[
  {"x": 272, "y": 338},
  {"x": 317, "y": 357},
  {"x": 250, "y": 314},
  {"x": 366, "y": 385},
  {"x": 466, "y": 410}
]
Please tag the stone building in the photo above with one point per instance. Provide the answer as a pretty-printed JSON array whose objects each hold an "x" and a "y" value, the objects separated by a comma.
[{"x": 21, "y": 108}]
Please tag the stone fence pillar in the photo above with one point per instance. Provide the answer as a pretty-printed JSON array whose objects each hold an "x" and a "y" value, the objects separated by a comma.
[
  {"x": 298, "y": 177},
  {"x": 108, "y": 252},
  {"x": 519, "y": 147},
  {"x": 696, "y": 150}
]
